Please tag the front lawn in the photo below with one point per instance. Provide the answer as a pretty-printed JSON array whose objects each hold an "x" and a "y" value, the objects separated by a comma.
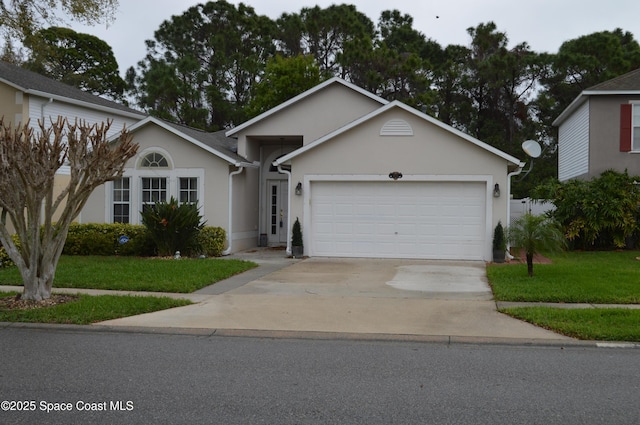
[
  {"x": 137, "y": 274},
  {"x": 573, "y": 277},
  {"x": 601, "y": 324},
  {"x": 86, "y": 309}
]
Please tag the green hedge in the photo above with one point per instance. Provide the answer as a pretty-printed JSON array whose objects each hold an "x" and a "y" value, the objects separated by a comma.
[
  {"x": 211, "y": 241},
  {"x": 105, "y": 239},
  {"x": 5, "y": 260}
]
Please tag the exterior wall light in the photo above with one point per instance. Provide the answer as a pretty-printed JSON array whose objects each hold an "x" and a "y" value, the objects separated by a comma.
[
  {"x": 496, "y": 190},
  {"x": 299, "y": 189},
  {"x": 395, "y": 175}
]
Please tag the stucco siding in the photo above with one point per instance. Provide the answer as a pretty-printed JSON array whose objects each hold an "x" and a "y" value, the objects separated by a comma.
[
  {"x": 312, "y": 117},
  {"x": 186, "y": 160},
  {"x": 12, "y": 104},
  {"x": 573, "y": 144}
]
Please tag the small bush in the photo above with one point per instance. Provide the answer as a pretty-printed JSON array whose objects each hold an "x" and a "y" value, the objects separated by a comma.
[
  {"x": 104, "y": 239},
  {"x": 5, "y": 260},
  {"x": 210, "y": 241},
  {"x": 172, "y": 226}
]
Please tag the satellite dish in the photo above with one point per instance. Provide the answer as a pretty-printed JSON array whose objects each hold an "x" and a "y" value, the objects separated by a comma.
[{"x": 532, "y": 148}]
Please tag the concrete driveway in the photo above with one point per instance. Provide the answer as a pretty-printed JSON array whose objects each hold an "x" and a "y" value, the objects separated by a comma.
[{"x": 364, "y": 296}]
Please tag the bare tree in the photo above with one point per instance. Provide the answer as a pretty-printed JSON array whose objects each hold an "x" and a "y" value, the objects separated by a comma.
[{"x": 28, "y": 164}]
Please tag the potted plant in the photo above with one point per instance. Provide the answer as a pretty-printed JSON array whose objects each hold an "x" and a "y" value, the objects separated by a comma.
[
  {"x": 499, "y": 244},
  {"x": 297, "y": 248}
]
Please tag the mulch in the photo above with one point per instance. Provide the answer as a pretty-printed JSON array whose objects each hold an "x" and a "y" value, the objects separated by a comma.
[
  {"x": 520, "y": 257},
  {"x": 17, "y": 303}
]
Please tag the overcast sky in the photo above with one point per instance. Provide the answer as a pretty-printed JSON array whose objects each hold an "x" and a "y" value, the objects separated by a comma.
[{"x": 544, "y": 24}]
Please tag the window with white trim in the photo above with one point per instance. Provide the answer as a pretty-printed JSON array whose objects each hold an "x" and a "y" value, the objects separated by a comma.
[
  {"x": 154, "y": 160},
  {"x": 122, "y": 200},
  {"x": 153, "y": 179},
  {"x": 154, "y": 189},
  {"x": 188, "y": 190}
]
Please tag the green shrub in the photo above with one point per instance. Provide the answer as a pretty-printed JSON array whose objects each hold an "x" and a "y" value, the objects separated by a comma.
[
  {"x": 172, "y": 226},
  {"x": 296, "y": 233},
  {"x": 211, "y": 241},
  {"x": 104, "y": 239},
  {"x": 5, "y": 260},
  {"x": 601, "y": 213}
]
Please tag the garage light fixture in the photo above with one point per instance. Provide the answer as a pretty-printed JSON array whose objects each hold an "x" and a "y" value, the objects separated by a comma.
[
  {"x": 395, "y": 175},
  {"x": 299, "y": 189},
  {"x": 496, "y": 190}
]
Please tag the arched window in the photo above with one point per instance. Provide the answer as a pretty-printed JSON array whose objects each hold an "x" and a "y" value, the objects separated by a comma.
[{"x": 154, "y": 160}]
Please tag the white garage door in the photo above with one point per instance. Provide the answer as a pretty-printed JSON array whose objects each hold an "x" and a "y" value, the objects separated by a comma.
[{"x": 431, "y": 220}]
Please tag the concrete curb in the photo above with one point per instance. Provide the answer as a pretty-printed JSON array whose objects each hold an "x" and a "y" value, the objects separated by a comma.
[{"x": 337, "y": 336}]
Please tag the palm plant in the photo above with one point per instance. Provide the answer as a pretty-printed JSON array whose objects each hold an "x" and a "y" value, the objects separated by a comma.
[{"x": 534, "y": 234}]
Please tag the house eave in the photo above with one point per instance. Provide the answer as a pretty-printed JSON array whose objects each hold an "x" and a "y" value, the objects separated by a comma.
[
  {"x": 584, "y": 96},
  {"x": 87, "y": 105}
]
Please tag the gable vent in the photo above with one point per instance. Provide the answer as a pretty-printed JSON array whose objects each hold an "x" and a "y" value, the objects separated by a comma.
[{"x": 396, "y": 128}]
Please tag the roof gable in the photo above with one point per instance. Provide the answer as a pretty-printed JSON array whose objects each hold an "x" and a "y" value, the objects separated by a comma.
[
  {"x": 33, "y": 83},
  {"x": 216, "y": 144},
  {"x": 300, "y": 97},
  {"x": 383, "y": 109}
]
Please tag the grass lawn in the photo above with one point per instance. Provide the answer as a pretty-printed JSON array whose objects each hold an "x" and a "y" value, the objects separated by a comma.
[
  {"x": 137, "y": 274},
  {"x": 602, "y": 324},
  {"x": 575, "y": 277},
  {"x": 90, "y": 309}
]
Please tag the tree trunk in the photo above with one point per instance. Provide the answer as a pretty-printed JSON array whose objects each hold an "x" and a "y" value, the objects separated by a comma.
[
  {"x": 37, "y": 290},
  {"x": 530, "y": 264},
  {"x": 38, "y": 279}
]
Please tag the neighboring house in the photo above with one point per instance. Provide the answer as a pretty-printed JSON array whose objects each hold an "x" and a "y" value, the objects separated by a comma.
[
  {"x": 366, "y": 177},
  {"x": 600, "y": 130},
  {"x": 26, "y": 96}
]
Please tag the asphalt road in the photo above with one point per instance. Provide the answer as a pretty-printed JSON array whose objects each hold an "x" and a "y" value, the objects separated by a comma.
[{"x": 139, "y": 378}]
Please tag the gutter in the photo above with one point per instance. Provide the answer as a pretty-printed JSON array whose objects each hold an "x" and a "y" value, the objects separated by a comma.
[
  {"x": 44, "y": 105},
  {"x": 288, "y": 173}
]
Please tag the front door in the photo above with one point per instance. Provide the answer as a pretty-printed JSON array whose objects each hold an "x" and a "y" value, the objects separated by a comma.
[{"x": 277, "y": 195}]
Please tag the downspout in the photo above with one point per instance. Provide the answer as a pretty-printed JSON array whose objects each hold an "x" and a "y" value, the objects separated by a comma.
[
  {"x": 288, "y": 173},
  {"x": 514, "y": 173},
  {"x": 43, "y": 106},
  {"x": 230, "y": 224}
]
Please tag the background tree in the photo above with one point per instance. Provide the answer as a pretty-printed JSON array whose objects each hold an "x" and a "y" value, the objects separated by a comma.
[
  {"x": 201, "y": 66},
  {"x": 582, "y": 63},
  {"x": 283, "y": 79},
  {"x": 28, "y": 164},
  {"x": 326, "y": 32},
  {"x": 77, "y": 59},
  {"x": 22, "y": 18}
]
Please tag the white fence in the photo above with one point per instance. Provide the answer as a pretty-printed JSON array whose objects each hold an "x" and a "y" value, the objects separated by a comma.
[{"x": 520, "y": 207}]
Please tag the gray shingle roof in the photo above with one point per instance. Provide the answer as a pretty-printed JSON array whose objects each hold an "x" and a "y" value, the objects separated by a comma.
[
  {"x": 32, "y": 81},
  {"x": 625, "y": 82},
  {"x": 217, "y": 140}
]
